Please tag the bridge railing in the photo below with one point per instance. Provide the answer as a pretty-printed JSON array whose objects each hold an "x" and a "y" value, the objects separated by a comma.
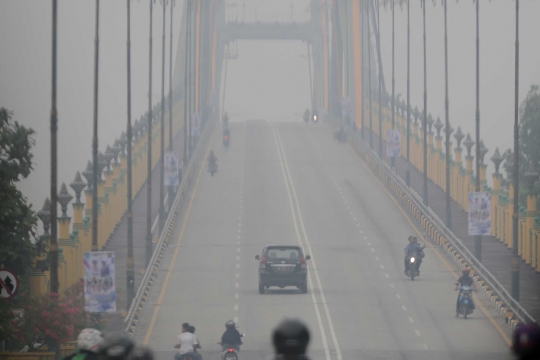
[
  {"x": 509, "y": 307},
  {"x": 141, "y": 297}
]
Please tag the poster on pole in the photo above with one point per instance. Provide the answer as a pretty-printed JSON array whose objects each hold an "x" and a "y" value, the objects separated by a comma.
[
  {"x": 479, "y": 213},
  {"x": 99, "y": 281},
  {"x": 172, "y": 166},
  {"x": 195, "y": 124},
  {"x": 393, "y": 143}
]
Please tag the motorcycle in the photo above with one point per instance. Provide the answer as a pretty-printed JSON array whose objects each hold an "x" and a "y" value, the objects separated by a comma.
[
  {"x": 315, "y": 117},
  {"x": 226, "y": 140},
  {"x": 306, "y": 118},
  {"x": 413, "y": 266},
  {"x": 212, "y": 168},
  {"x": 229, "y": 352},
  {"x": 465, "y": 301}
]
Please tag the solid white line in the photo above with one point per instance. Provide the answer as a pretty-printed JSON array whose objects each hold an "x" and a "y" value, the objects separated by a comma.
[
  {"x": 302, "y": 226},
  {"x": 310, "y": 281}
]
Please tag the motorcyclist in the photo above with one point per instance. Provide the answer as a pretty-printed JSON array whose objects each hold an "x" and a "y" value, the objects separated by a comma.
[
  {"x": 225, "y": 120},
  {"x": 116, "y": 348},
  {"x": 88, "y": 343},
  {"x": 231, "y": 338},
  {"x": 306, "y": 115},
  {"x": 227, "y": 132},
  {"x": 212, "y": 159},
  {"x": 290, "y": 340},
  {"x": 187, "y": 342},
  {"x": 465, "y": 280},
  {"x": 413, "y": 248},
  {"x": 341, "y": 134}
]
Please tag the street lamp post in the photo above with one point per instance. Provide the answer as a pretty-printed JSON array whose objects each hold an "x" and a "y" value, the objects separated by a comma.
[
  {"x": 478, "y": 238},
  {"x": 148, "y": 242},
  {"x": 162, "y": 145},
  {"x": 447, "y": 121},
  {"x": 515, "y": 178},
  {"x": 186, "y": 90},
  {"x": 408, "y": 172},
  {"x": 369, "y": 77},
  {"x": 94, "y": 139},
  {"x": 171, "y": 195},
  {"x": 130, "y": 269},
  {"x": 393, "y": 162},
  {"x": 424, "y": 123},
  {"x": 53, "y": 247}
]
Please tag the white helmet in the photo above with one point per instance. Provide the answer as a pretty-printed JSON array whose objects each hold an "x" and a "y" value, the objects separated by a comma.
[{"x": 89, "y": 339}]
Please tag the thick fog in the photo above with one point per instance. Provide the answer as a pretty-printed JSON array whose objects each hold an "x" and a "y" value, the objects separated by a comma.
[{"x": 269, "y": 79}]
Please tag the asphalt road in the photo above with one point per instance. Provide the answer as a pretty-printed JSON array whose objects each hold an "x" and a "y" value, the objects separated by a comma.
[{"x": 291, "y": 183}]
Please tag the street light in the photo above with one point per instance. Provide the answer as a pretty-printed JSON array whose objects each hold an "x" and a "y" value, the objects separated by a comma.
[
  {"x": 380, "y": 80},
  {"x": 53, "y": 247},
  {"x": 149, "y": 153},
  {"x": 447, "y": 121},
  {"x": 425, "y": 185},
  {"x": 393, "y": 162},
  {"x": 171, "y": 195},
  {"x": 478, "y": 238},
  {"x": 95, "y": 138},
  {"x": 369, "y": 80}
]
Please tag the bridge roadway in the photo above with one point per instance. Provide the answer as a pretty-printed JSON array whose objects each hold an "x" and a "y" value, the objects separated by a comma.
[{"x": 291, "y": 183}]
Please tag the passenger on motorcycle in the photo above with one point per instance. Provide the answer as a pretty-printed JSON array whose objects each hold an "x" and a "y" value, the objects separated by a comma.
[
  {"x": 88, "y": 343},
  {"x": 413, "y": 248},
  {"x": 212, "y": 159},
  {"x": 465, "y": 280},
  {"x": 290, "y": 340},
  {"x": 231, "y": 338},
  {"x": 187, "y": 343}
]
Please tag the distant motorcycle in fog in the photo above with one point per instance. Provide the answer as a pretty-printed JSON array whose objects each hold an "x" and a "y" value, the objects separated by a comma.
[
  {"x": 212, "y": 168},
  {"x": 226, "y": 137},
  {"x": 413, "y": 267},
  {"x": 315, "y": 116}
]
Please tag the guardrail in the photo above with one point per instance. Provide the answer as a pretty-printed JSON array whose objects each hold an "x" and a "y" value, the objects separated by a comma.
[
  {"x": 139, "y": 301},
  {"x": 500, "y": 297}
]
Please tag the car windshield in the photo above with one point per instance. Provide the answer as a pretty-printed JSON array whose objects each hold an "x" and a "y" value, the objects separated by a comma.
[{"x": 283, "y": 253}]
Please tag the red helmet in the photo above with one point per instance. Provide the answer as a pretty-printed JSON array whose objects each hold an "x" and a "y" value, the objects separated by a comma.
[{"x": 466, "y": 270}]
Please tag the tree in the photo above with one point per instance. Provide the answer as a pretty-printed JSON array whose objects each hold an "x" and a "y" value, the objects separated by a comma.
[
  {"x": 529, "y": 145},
  {"x": 18, "y": 242}
]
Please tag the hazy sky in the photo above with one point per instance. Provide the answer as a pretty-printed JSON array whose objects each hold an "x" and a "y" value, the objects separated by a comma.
[{"x": 268, "y": 80}]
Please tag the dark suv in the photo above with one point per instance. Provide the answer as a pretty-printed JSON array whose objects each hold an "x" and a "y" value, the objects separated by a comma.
[{"x": 282, "y": 265}]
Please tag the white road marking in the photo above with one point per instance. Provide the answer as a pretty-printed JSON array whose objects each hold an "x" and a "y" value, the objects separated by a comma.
[
  {"x": 397, "y": 295},
  {"x": 238, "y": 237},
  {"x": 236, "y": 285},
  {"x": 358, "y": 226},
  {"x": 235, "y": 307},
  {"x": 239, "y": 230},
  {"x": 236, "y": 319},
  {"x": 411, "y": 319},
  {"x": 369, "y": 244},
  {"x": 372, "y": 250},
  {"x": 239, "y": 224},
  {"x": 354, "y": 219},
  {"x": 387, "y": 276},
  {"x": 290, "y": 184},
  {"x": 238, "y": 258},
  {"x": 392, "y": 286},
  {"x": 238, "y": 243},
  {"x": 237, "y": 265},
  {"x": 236, "y": 296},
  {"x": 238, "y": 250},
  {"x": 377, "y": 258},
  {"x": 403, "y": 307},
  {"x": 365, "y": 238},
  {"x": 361, "y": 232},
  {"x": 382, "y": 266},
  {"x": 237, "y": 275},
  {"x": 425, "y": 346},
  {"x": 417, "y": 332}
]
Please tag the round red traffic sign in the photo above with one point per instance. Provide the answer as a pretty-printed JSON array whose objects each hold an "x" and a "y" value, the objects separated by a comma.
[{"x": 9, "y": 284}]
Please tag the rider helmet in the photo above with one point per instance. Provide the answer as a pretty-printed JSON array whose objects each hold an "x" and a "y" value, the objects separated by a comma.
[
  {"x": 89, "y": 340},
  {"x": 466, "y": 271},
  {"x": 411, "y": 239},
  {"x": 116, "y": 348},
  {"x": 526, "y": 341},
  {"x": 230, "y": 324},
  {"x": 291, "y": 337}
]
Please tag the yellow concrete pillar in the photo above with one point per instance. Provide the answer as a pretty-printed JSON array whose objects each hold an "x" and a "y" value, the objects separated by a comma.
[
  {"x": 437, "y": 162},
  {"x": 38, "y": 283},
  {"x": 535, "y": 263},
  {"x": 521, "y": 231},
  {"x": 529, "y": 224},
  {"x": 483, "y": 180},
  {"x": 467, "y": 182},
  {"x": 497, "y": 179},
  {"x": 501, "y": 217},
  {"x": 509, "y": 214}
]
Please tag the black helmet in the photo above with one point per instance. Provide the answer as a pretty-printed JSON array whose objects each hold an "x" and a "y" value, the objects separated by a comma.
[
  {"x": 230, "y": 324},
  {"x": 526, "y": 341},
  {"x": 116, "y": 348},
  {"x": 291, "y": 337}
]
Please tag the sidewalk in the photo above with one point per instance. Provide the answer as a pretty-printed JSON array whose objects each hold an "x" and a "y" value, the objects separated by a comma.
[
  {"x": 496, "y": 256},
  {"x": 118, "y": 241}
]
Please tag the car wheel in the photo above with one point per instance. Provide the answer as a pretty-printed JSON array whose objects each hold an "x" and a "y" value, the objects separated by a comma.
[
  {"x": 261, "y": 289},
  {"x": 303, "y": 288}
]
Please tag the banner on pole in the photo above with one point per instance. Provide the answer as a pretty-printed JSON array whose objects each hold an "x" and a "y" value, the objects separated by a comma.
[
  {"x": 99, "y": 281},
  {"x": 393, "y": 143},
  {"x": 479, "y": 213},
  {"x": 172, "y": 166}
]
